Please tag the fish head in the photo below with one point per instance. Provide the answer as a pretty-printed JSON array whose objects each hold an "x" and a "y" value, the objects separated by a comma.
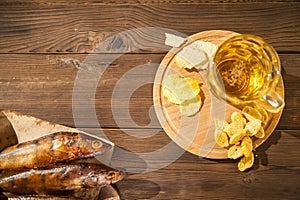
[
  {"x": 100, "y": 175},
  {"x": 92, "y": 146}
]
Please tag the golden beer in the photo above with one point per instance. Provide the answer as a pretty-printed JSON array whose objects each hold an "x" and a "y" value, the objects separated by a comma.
[
  {"x": 244, "y": 71},
  {"x": 246, "y": 68}
]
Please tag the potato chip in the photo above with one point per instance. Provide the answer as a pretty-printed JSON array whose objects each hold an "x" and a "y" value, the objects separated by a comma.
[
  {"x": 240, "y": 131},
  {"x": 247, "y": 146},
  {"x": 233, "y": 127},
  {"x": 182, "y": 88},
  {"x": 192, "y": 56},
  {"x": 252, "y": 127},
  {"x": 253, "y": 112},
  {"x": 220, "y": 124},
  {"x": 246, "y": 162},
  {"x": 208, "y": 47},
  {"x": 235, "y": 152},
  {"x": 237, "y": 136},
  {"x": 221, "y": 139},
  {"x": 264, "y": 114},
  {"x": 260, "y": 133},
  {"x": 170, "y": 96},
  {"x": 191, "y": 106},
  {"x": 238, "y": 117},
  {"x": 194, "y": 85},
  {"x": 173, "y": 40}
]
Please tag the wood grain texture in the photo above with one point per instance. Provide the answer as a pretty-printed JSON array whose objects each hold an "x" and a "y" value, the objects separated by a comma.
[
  {"x": 193, "y": 177},
  {"x": 44, "y": 45},
  {"x": 32, "y": 28},
  {"x": 126, "y": 2},
  {"x": 46, "y": 82}
]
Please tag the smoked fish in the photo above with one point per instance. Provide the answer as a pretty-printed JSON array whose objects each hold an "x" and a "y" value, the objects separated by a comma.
[
  {"x": 33, "y": 197},
  {"x": 51, "y": 149},
  {"x": 61, "y": 179},
  {"x": 84, "y": 193}
]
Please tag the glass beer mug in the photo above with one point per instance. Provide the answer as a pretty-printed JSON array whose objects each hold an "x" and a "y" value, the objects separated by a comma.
[{"x": 246, "y": 69}]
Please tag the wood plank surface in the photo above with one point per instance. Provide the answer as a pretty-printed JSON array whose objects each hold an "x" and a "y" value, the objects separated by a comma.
[
  {"x": 46, "y": 28},
  {"x": 197, "y": 178},
  {"x": 46, "y": 82},
  {"x": 127, "y": 2},
  {"x": 60, "y": 58}
]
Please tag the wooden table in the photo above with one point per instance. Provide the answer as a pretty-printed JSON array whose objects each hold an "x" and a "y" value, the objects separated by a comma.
[{"x": 44, "y": 43}]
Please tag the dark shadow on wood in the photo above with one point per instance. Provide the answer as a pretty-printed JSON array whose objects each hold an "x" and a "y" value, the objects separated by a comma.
[
  {"x": 261, "y": 157},
  {"x": 143, "y": 189}
]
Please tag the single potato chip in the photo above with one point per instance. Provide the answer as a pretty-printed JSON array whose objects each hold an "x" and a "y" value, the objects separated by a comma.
[
  {"x": 208, "y": 47},
  {"x": 235, "y": 152},
  {"x": 246, "y": 162},
  {"x": 182, "y": 88},
  {"x": 252, "y": 127},
  {"x": 191, "y": 56},
  {"x": 247, "y": 146},
  {"x": 264, "y": 114},
  {"x": 233, "y": 127},
  {"x": 196, "y": 55},
  {"x": 173, "y": 40},
  {"x": 260, "y": 133},
  {"x": 238, "y": 117},
  {"x": 170, "y": 96},
  {"x": 221, "y": 139},
  {"x": 184, "y": 92},
  {"x": 249, "y": 117},
  {"x": 191, "y": 106},
  {"x": 194, "y": 85},
  {"x": 253, "y": 112},
  {"x": 220, "y": 124},
  {"x": 237, "y": 136}
]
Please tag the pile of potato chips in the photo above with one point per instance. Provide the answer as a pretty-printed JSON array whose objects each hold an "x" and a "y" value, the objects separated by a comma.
[
  {"x": 237, "y": 135},
  {"x": 184, "y": 92}
]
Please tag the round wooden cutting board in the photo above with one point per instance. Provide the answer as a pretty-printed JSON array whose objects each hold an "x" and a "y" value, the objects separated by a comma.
[{"x": 196, "y": 133}]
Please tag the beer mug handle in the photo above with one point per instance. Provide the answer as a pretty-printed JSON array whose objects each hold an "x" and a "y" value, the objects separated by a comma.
[{"x": 272, "y": 102}]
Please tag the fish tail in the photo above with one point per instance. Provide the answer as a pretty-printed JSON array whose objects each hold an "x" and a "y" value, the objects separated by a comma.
[
  {"x": 8, "y": 158},
  {"x": 18, "y": 156}
]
